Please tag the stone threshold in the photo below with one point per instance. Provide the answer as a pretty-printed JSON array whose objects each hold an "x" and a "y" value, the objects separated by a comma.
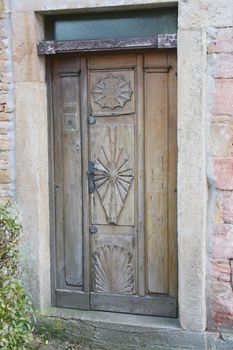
[{"x": 114, "y": 331}]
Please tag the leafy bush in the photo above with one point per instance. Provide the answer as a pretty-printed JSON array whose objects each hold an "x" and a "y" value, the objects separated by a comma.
[{"x": 15, "y": 308}]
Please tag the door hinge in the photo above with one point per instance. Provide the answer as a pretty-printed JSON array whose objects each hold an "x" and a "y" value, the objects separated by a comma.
[{"x": 90, "y": 174}]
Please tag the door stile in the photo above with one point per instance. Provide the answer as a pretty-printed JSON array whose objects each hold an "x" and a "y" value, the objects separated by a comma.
[
  {"x": 172, "y": 174},
  {"x": 58, "y": 180},
  {"x": 67, "y": 97},
  {"x": 52, "y": 202},
  {"x": 85, "y": 152},
  {"x": 156, "y": 165},
  {"x": 140, "y": 178}
]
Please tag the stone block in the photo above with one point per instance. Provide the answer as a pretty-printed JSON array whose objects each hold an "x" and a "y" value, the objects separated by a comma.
[
  {"x": 26, "y": 31},
  {"x": 191, "y": 181},
  {"x": 223, "y": 66},
  {"x": 220, "y": 13},
  {"x": 223, "y": 97},
  {"x": 192, "y": 14},
  {"x": 225, "y": 342},
  {"x": 5, "y": 176},
  {"x": 222, "y": 137},
  {"x": 220, "y": 270},
  {"x": 118, "y": 332},
  {"x": 6, "y": 142},
  {"x": 222, "y": 241},
  {"x": 51, "y": 5},
  {"x": 223, "y": 170},
  {"x": 5, "y": 167},
  {"x": 32, "y": 186},
  {"x": 28, "y": 66},
  {"x": 5, "y": 116},
  {"x": 222, "y": 33},
  {"x": 217, "y": 209},
  {"x": 7, "y": 190},
  {"x": 3, "y": 98},
  {"x": 220, "y": 40},
  {"x": 220, "y": 294},
  {"x": 227, "y": 207},
  {"x": 27, "y": 27}
]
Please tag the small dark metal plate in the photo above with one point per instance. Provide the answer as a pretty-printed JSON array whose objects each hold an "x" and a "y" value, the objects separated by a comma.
[{"x": 69, "y": 122}]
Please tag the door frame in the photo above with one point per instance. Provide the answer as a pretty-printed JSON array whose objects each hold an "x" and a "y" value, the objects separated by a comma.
[
  {"x": 169, "y": 302},
  {"x": 167, "y": 305},
  {"x": 31, "y": 117}
]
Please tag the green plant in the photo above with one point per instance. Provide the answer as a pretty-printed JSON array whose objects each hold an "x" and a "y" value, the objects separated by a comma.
[{"x": 15, "y": 307}]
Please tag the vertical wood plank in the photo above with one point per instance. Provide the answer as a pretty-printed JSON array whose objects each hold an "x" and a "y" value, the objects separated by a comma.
[
  {"x": 156, "y": 180},
  {"x": 140, "y": 178},
  {"x": 58, "y": 177},
  {"x": 49, "y": 80},
  {"x": 72, "y": 178},
  {"x": 85, "y": 213},
  {"x": 172, "y": 173}
]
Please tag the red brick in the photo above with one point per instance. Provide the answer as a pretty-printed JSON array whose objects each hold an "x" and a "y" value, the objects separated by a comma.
[
  {"x": 227, "y": 207},
  {"x": 223, "y": 168},
  {"x": 222, "y": 312},
  {"x": 5, "y": 116},
  {"x": 223, "y": 66},
  {"x": 220, "y": 270},
  {"x": 223, "y": 97},
  {"x": 220, "y": 308},
  {"x": 222, "y": 242},
  {"x": 221, "y": 45},
  {"x": 222, "y": 139}
]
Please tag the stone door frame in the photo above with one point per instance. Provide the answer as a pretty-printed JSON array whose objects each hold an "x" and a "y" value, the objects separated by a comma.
[{"x": 32, "y": 163}]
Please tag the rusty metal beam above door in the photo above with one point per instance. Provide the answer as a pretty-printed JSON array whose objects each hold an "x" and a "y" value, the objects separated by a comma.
[{"x": 160, "y": 41}]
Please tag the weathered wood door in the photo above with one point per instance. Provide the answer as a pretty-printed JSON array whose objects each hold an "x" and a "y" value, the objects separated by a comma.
[{"x": 114, "y": 122}]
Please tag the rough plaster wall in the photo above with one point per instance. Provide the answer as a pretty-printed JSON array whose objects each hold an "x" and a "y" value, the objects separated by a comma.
[
  {"x": 7, "y": 162},
  {"x": 220, "y": 152}
]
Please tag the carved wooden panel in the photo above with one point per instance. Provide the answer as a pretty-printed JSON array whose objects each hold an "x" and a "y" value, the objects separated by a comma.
[
  {"x": 113, "y": 265},
  {"x": 112, "y": 92},
  {"x": 113, "y": 156}
]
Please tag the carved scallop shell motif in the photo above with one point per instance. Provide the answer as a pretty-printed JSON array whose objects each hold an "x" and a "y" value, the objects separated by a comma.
[
  {"x": 113, "y": 270},
  {"x": 112, "y": 91}
]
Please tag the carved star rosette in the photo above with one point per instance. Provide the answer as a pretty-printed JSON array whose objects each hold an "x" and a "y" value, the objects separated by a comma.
[
  {"x": 112, "y": 91},
  {"x": 113, "y": 175}
]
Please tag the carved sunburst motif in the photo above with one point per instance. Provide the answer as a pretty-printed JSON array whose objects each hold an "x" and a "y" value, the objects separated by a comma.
[
  {"x": 113, "y": 270},
  {"x": 113, "y": 175},
  {"x": 112, "y": 91}
]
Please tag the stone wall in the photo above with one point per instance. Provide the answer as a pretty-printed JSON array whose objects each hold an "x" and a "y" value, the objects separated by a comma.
[
  {"x": 7, "y": 163},
  {"x": 220, "y": 66}
]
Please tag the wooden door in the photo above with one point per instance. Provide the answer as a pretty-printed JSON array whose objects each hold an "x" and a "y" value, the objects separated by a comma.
[{"x": 115, "y": 182}]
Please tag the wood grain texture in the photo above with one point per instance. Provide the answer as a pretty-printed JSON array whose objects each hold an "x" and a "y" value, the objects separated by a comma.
[
  {"x": 85, "y": 213},
  {"x": 116, "y": 244},
  {"x": 72, "y": 178},
  {"x": 67, "y": 182},
  {"x": 134, "y": 304},
  {"x": 140, "y": 178},
  {"x": 114, "y": 174},
  {"x": 172, "y": 173},
  {"x": 156, "y": 154}
]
